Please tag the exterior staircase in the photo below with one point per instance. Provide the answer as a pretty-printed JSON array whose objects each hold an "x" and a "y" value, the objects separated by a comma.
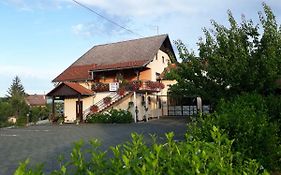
[{"x": 115, "y": 97}]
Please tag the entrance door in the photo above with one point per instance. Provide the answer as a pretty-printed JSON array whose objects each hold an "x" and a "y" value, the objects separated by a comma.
[{"x": 79, "y": 110}]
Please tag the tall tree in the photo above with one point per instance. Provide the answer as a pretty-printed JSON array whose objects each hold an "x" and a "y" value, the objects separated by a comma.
[
  {"x": 16, "y": 88},
  {"x": 16, "y": 96},
  {"x": 241, "y": 58}
]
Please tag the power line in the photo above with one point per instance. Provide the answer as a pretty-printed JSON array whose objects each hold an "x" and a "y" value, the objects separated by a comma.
[{"x": 109, "y": 20}]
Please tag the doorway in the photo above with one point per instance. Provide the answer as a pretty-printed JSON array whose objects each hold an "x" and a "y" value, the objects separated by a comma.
[{"x": 79, "y": 110}]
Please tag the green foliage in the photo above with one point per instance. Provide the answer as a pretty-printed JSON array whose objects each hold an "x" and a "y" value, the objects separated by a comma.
[
  {"x": 16, "y": 97},
  {"x": 245, "y": 120},
  {"x": 241, "y": 58},
  {"x": 136, "y": 157},
  {"x": 21, "y": 121},
  {"x": 16, "y": 89},
  {"x": 23, "y": 170},
  {"x": 38, "y": 113},
  {"x": 5, "y": 111},
  {"x": 111, "y": 116}
]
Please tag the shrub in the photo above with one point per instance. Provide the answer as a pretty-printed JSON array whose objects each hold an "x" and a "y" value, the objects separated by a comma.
[
  {"x": 99, "y": 118},
  {"x": 111, "y": 116},
  {"x": 136, "y": 157},
  {"x": 21, "y": 121},
  {"x": 245, "y": 120}
]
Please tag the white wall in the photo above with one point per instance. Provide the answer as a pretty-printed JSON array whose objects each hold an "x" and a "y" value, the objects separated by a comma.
[
  {"x": 99, "y": 96},
  {"x": 157, "y": 64},
  {"x": 70, "y": 107}
]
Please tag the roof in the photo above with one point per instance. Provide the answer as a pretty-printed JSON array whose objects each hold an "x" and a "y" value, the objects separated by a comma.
[
  {"x": 76, "y": 73},
  {"x": 70, "y": 89},
  {"x": 80, "y": 89},
  {"x": 36, "y": 100},
  {"x": 123, "y": 65},
  {"x": 121, "y": 55}
]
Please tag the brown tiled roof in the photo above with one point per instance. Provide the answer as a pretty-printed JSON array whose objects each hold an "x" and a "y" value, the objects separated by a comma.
[
  {"x": 68, "y": 89},
  {"x": 122, "y": 65},
  {"x": 36, "y": 100},
  {"x": 76, "y": 73},
  {"x": 120, "y": 55},
  {"x": 78, "y": 88}
]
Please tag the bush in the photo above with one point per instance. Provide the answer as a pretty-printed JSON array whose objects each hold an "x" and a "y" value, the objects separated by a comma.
[
  {"x": 245, "y": 120},
  {"x": 21, "y": 121},
  {"x": 6, "y": 111},
  {"x": 135, "y": 157},
  {"x": 111, "y": 116},
  {"x": 39, "y": 113}
]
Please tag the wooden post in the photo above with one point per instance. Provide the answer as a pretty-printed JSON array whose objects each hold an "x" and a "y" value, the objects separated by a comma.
[
  {"x": 53, "y": 107},
  {"x": 80, "y": 109}
]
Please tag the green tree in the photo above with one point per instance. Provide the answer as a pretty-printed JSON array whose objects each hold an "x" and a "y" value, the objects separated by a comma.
[
  {"x": 244, "y": 57},
  {"x": 16, "y": 96}
]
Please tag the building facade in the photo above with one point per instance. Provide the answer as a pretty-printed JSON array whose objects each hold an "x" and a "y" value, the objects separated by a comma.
[{"x": 122, "y": 75}]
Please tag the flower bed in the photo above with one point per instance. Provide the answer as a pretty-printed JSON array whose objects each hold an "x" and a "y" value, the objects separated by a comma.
[
  {"x": 100, "y": 87},
  {"x": 111, "y": 116},
  {"x": 154, "y": 85}
]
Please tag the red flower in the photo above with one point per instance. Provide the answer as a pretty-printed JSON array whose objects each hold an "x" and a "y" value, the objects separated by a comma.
[
  {"x": 94, "y": 108},
  {"x": 121, "y": 91},
  {"x": 107, "y": 100}
]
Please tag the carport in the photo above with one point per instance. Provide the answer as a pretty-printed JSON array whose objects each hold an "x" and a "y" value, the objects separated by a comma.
[{"x": 68, "y": 90}]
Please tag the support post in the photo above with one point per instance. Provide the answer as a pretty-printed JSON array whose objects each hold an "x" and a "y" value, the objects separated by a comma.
[
  {"x": 146, "y": 106},
  {"x": 53, "y": 107},
  {"x": 136, "y": 108},
  {"x": 157, "y": 106},
  {"x": 80, "y": 109}
]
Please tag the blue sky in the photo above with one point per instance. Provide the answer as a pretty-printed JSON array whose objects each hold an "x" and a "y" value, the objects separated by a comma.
[{"x": 41, "y": 38}]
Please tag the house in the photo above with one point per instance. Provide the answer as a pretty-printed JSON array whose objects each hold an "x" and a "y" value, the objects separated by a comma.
[
  {"x": 126, "y": 73},
  {"x": 36, "y": 100}
]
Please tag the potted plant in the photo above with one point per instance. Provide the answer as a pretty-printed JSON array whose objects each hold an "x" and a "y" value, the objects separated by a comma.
[
  {"x": 155, "y": 85},
  {"x": 121, "y": 91},
  {"x": 94, "y": 108},
  {"x": 107, "y": 100},
  {"x": 130, "y": 104}
]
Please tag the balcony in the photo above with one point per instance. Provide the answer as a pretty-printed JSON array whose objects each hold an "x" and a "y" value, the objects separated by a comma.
[{"x": 137, "y": 85}]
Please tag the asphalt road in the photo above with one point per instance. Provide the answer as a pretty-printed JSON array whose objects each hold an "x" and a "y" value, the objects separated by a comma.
[{"x": 44, "y": 143}]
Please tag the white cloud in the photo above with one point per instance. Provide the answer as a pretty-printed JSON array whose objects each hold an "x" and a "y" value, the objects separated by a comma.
[{"x": 142, "y": 8}]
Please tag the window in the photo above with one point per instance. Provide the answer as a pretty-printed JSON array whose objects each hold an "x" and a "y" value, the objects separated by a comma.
[
  {"x": 157, "y": 75},
  {"x": 163, "y": 59}
]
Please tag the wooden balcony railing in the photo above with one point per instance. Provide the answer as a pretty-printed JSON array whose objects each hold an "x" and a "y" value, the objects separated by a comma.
[{"x": 131, "y": 86}]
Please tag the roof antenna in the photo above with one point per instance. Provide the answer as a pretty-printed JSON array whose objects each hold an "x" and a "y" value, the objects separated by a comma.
[{"x": 152, "y": 27}]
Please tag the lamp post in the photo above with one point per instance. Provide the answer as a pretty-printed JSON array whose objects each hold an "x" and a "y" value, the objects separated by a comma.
[{"x": 27, "y": 118}]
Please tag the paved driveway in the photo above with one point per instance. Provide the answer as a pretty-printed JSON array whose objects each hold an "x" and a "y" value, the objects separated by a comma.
[{"x": 45, "y": 143}]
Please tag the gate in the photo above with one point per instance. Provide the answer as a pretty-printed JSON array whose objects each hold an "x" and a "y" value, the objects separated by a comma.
[{"x": 183, "y": 106}]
